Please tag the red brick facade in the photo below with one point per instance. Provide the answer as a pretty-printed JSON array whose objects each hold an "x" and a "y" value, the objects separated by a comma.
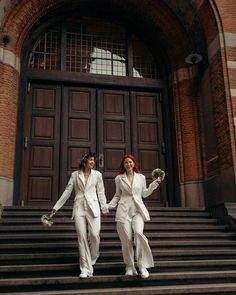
[
  {"x": 8, "y": 106},
  {"x": 203, "y": 97}
]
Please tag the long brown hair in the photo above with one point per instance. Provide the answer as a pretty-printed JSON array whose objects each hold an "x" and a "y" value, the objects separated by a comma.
[{"x": 122, "y": 168}]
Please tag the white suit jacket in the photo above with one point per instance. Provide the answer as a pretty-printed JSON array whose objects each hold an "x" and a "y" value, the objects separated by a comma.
[
  {"x": 93, "y": 192},
  {"x": 125, "y": 194}
]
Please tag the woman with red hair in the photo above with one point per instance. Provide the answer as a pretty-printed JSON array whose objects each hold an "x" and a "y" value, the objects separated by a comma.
[{"x": 131, "y": 214}]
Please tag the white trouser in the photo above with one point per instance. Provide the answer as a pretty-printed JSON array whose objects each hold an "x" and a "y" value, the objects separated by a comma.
[
  {"x": 143, "y": 254},
  {"x": 88, "y": 233}
]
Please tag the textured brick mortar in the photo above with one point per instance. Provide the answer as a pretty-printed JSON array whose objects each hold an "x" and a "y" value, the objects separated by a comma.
[{"x": 8, "y": 115}]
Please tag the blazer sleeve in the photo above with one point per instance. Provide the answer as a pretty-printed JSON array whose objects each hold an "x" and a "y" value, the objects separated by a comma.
[
  {"x": 101, "y": 193},
  {"x": 148, "y": 191},
  {"x": 113, "y": 203},
  {"x": 66, "y": 194}
]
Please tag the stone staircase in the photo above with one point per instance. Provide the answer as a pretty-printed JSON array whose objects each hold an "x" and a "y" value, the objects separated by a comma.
[{"x": 193, "y": 254}]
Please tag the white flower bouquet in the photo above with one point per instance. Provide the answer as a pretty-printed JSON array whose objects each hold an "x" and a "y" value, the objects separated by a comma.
[
  {"x": 158, "y": 173},
  {"x": 47, "y": 220}
]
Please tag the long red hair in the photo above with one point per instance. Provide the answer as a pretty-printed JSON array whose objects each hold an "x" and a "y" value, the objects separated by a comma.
[{"x": 122, "y": 168}]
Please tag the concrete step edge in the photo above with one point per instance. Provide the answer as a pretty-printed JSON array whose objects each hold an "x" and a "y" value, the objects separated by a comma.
[
  {"x": 150, "y": 290},
  {"x": 111, "y": 244},
  {"x": 112, "y": 265},
  {"x": 110, "y": 278}
]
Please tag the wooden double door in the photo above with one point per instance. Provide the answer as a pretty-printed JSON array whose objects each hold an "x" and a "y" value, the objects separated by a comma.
[{"x": 62, "y": 123}]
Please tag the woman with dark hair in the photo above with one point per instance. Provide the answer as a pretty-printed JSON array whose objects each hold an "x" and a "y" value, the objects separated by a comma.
[
  {"x": 131, "y": 214},
  {"x": 89, "y": 197}
]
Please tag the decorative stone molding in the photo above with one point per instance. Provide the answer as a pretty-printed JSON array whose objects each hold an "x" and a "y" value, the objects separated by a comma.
[
  {"x": 192, "y": 195},
  {"x": 182, "y": 74},
  {"x": 4, "y": 5},
  {"x": 233, "y": 92},
  {"x": 222, "y": 40},
  {"x": 9, "y": 58},
  {"x": 6, "y": 191},
  {"x": 231, "y": 64}
]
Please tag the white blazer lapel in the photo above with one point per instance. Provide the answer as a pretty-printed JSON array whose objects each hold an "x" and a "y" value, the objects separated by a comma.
[
  {"x": 136, "y": 179},
  {"x": 126, "y": 181},
  {"x": 81, "y": 178},
  {"x": 90, "y": 178}
]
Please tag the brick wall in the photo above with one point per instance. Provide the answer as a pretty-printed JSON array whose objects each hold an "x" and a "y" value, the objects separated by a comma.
[
  {"x": 227, "y": 12},
  {"x": 8, "y": 114}
]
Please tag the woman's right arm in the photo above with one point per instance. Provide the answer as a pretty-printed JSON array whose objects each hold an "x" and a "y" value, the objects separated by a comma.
[
  {"x": 65, "y": 196},
  {"x": 113, "y": 203}
]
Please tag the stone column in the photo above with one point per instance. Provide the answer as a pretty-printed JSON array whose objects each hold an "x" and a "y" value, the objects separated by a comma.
[
  {"x": 188, "y": 153},
  {"x": 9, "y": 73}
]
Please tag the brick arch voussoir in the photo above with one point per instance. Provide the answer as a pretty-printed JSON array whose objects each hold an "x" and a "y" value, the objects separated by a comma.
[
  {"x": 157, "y": 15},
  {"x": 212, "y": 23},
  {"x": 175, "y": 39},
  {"x": 22, "y": 17},
  {"x": 25, "y": 14}
]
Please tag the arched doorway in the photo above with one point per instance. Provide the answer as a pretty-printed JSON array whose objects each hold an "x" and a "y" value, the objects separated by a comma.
[{"x": 91, "y": 85}]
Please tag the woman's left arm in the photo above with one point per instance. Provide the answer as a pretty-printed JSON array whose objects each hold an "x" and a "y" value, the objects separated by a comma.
[{"x": 152, "y": 186}]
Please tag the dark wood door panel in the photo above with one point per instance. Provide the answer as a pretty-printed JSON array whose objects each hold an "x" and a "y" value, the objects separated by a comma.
[
  {"x": 41, "y": 153},
  {"x": 148, "y": 137},
  {"x": 78, "y": 130},
  {"x": 114, "y": 134}
]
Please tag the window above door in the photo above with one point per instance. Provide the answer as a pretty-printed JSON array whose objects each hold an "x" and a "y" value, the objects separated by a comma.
[{"x": 92, "y": 45}]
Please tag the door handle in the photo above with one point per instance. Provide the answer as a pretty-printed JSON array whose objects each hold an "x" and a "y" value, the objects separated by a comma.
[{"x": 101, "y": 160}]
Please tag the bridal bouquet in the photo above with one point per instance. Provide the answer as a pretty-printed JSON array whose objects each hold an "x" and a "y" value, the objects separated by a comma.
[
  {"x": 47, "y": 220},
  {"x": 158, "y": 173}
]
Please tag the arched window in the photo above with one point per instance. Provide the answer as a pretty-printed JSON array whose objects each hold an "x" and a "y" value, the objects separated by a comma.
[{"x": 92, "y": 45}]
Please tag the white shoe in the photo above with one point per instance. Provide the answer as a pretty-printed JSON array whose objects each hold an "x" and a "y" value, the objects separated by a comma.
[
  {"x": 85, "y": 275},
  {"x": 144, "y": 273},
  {"x": 130, "y": 271}
]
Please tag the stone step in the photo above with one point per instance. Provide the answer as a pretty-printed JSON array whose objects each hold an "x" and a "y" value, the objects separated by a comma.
[
  {"x": 193, "y": 253},
  {"x": 110, "y": 227},
  {"x": 64, "y": 220},
  {"x": 197, "y": 289},
  {"x": 18, "y": 247},
  {"x": 99, "y": 281},
  {"x": 69, "y": 208},
  {"x": 153, "y": 213},
  {"x": 162, "y": 254},
  {"x": 113, "y": 267},
  {"x": 46, "y": 237}
]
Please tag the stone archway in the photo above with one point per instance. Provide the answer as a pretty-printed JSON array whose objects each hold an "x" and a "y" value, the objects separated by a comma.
[{"x": 190, "y": 163}]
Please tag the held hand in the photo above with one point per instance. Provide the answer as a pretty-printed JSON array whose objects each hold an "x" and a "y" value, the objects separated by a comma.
[
  {"x": 158, "y": 180},
  {"x": 105, "y": 210}
]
